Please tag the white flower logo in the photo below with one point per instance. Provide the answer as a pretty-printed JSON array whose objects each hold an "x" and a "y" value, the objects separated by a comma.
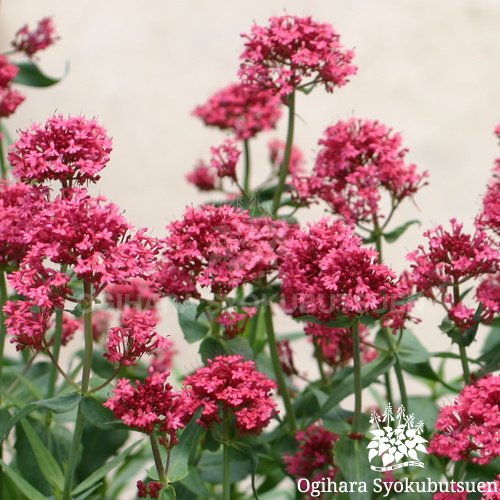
[{"x": 397, "y": 439}]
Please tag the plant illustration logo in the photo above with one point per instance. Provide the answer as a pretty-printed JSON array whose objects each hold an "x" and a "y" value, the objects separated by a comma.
[{"x": 395, "y": 439}]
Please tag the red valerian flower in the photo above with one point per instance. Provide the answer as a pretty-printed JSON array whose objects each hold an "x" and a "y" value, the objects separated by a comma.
[
  {"x": 291, "y": 49},
  {"x": 137, "y": 293},
  {"x": 277, "y": 155},
  {"x": 134, "y": 338},
  {"x": 452, "y": 258},
  {"x": 359, "y": 161},
  {"x": 72, "y": 150},
  {"x": 234, "y": 322},
  {"x": 315, "y": 455},
  {"x": 203, "y": 176},
  {"x": 151, "y": 489},
  {"x": 488, "y": 292},
  {"x": 327, "y": 272},
  {"x": 225, "y": 158},
  {"x": 18, "y": 204},
  {"x": 151, "y": 405},
  {"x": 231, "y": 386},
  {"x": 10, "y": 99},
  {"x": 31, "y": 42},
  {"x": 8, "y": 71},
  {"x": 336, "y": 344},
  {"x": 217, "y": 247},
  {"x": 469, "y": 429},
  {"x": 82, "y": 233},
  {"x": 243, "y": 109}
]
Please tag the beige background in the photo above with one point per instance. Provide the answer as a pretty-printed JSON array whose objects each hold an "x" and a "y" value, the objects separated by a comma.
[{"x": 429, "y": 69}]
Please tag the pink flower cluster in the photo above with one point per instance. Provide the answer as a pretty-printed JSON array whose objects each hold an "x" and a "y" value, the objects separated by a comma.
[
  {"x": 72, "y": 150},
  {"x": 230, "y": 386},
  {"x": 316, "y": 454},
  {"x": 134, "y": 338},
  {"x": 277, "y": 156},
  {"x": 235, "y": 322},
  {"x": 469, "y": 429},
  {"x": 336, "y": 344},
  {"x": 17, "y": 204},
  {"x": 243, "y": 109},
  {"x": 328, "y": 273},
  {"x": 291, "y": 49},
  {"x": 452, "y": 258},
  {"x": 151, "y": 405},
  {"x": 10, "y": 98},
  {"x": 219, "y": 247},
  {"x": 31, "y": 42},
  {"x": 360, "y": 160},
  {"x": 225, "y": 158}
]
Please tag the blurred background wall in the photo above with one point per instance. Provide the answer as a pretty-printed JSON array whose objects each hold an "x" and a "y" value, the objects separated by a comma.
[{"x": 428, "y": 69}]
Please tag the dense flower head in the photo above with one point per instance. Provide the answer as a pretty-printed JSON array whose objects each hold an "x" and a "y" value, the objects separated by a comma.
[
  {"x": 31, "y": 42},
  {"x": 10, "y": 99},
  {"x": 292, "y": 51},
  {"x": 220, "y": 247},
  {"x": 150, "y": 405},
  {"x": 315, "y": 452},
  {"x": 85, "y": 234},
  {"x": 161, "y": 359},
  {"x": 225, "y": 158},
  {"x": 70, "y": 326},
  {"x": 138, "y": 293},
  {"x": 469, "y": 429},
  {"x": 277, "y": 156},
  {"x": 151, "y": 489},
  {"x": 28, "y": 324},
  {"x": 235, "y": 322},
  {"x": 452, "y": 257},
  {"x": 489, "y": 218},
  {"x": 327, "y": 272},
  {"x": 336, "y": 344},
  {"x": 72, "y": 150},
  {"x": 134, "y": 338},
  {"x": 8, "y": 71},
  {"x": 488, "y": 293},
  {"x": 243, "y": 109},
  {"x": 285, "y": 354},
  {"x": 358, "y": 162},
  {"x": 230, "y": 385},
  {"x": 203, "y": 176},
  {"x": 18, "y": 203}
]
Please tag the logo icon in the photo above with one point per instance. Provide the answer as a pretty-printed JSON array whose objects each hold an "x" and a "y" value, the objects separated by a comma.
[{"x": 396, "y": 438}]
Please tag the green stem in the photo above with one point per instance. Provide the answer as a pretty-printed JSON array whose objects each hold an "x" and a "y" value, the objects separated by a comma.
[
  {"x": 461, "y": 348},
  {"x": 86, "y": 370},
  {"x": 3, "y": 332},
  {"x": 397, "y": 368},
  {"x": 278, "y": 371},
  {"x": 155, "y": 448},
  {"x": 358, "y": 388},
  {"x": 319, "y": 359},
  {"x": 3, "y": 328},
  {"x": 288, "y": 154},
  {"x": 3, "y": 161},
  {"x": 226, "y": 467},
  {"x": 246, "y": 178}
]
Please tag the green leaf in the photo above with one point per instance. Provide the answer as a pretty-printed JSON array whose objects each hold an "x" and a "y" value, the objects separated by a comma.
[
  {"x": 212, "y": 347},
  {"x": 60, "y": 404},
  {"x": 23, "y": 485},
  {"x": 491, "y": 350},
  {"x": 30, "y": 74},
  {"x": 393, "y": 235},
  {"x": 340, "y": 322},
  {"x": 250, "y": 453},
  {"x": 410, "y": 349},
  {"x": 102, "y": 471},
  {"x": 179, "y": 456},
  {"x": 352, "y": 458},
  {"x": 369, "y": 373},
  {"x": 192, "y": 328},
  {"x": 193, "y": 483},
  {"x": 167, "y": 493},
  {"x": 410, "y": 298},
  {"x": 210, "y": 468},
  {"x": 96, "y": 414},
  {"x": 48, "y": 465}
]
